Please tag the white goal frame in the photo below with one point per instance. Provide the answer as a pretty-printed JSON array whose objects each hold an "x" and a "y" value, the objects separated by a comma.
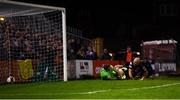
[{"x": 63, "y": 10}]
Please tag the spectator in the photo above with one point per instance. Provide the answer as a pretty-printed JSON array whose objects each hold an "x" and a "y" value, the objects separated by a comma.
[
  {"x": 129, "y": 55},
  {"x": 80, "y": 54},
  {"x": 90, "y": 54},
  {"x": 106, "y": 55}
]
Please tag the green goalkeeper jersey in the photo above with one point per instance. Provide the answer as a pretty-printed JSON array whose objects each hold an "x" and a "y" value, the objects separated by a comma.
[{"x": 107, "y": 74}]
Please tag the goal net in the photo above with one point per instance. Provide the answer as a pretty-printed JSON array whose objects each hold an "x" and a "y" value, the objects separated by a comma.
[
  {"x": 32, "y": 42},
  {"x": 163, "y": 54}
]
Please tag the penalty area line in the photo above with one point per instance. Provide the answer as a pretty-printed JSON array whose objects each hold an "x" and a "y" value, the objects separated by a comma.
[
  {"x": 153, "y": 87},
  {"x": 85, "y": 93},
  {"x": 41, "y": 94},
  {"x": 93, "y": 92}
]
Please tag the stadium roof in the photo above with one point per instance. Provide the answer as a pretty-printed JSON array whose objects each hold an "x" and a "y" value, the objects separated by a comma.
[{"x": 9, "y": 8}]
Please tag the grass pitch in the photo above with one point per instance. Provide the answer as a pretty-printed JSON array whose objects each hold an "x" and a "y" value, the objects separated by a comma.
[{"x": 158, "y": 88}]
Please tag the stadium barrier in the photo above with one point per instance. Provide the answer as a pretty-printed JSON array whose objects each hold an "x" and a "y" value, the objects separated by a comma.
[
  {"x": 4, "y": 71},
  {"x": 71, "y": 69},
  {"x": 165, "y": 67},
  {"x": 22, "y": 70},
  {"x": 79, "y": 68},
  {"x": 84, "y": 68},
  {"x": 26, "y": 70}
]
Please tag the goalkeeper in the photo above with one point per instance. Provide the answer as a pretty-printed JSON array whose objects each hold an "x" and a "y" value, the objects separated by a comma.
[{"x": 108, "y": 72}]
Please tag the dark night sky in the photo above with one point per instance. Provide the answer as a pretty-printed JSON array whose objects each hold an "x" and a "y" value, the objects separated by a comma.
[
  {"x": 122, "y": 21},
  {"x": 100, "y": 16}
]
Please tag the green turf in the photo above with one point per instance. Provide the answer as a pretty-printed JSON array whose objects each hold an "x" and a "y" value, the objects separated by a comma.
[{"x": 159, "y": 88}]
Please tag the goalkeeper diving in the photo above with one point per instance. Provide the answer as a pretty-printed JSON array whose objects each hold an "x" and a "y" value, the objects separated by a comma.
[
  {"x": 108, "y": 72},
  {"x": 136, "y": 70}
]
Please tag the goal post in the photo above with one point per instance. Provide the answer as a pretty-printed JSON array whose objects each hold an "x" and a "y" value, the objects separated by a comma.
[
  {"x": 34, "y": 38},
  {"x": 64, "y": 45}
]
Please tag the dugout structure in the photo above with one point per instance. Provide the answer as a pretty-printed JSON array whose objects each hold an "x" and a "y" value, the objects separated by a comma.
[
  {"x": 32, "y": 42},
  {"x": 162, "y": 54}
]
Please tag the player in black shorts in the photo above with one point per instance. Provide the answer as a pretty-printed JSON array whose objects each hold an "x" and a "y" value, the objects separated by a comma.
[{"x": 137, "y": 69}]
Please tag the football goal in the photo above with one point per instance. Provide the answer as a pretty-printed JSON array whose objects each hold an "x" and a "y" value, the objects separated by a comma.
[{"x": 32, "y": 42}]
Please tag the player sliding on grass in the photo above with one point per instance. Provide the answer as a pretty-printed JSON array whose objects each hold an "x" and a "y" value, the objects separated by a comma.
[
  {"x": 108, "y": 72},
  {"x": 136, "y": 70}
]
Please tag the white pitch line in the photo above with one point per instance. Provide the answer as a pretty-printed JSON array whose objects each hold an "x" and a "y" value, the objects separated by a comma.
[
  {"x": 93, "y": 92},
  {"x": 90, "y": 92},
  {"x": 152, "y": 87}
]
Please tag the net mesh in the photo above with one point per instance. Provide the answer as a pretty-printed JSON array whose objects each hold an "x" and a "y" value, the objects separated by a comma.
[
  {"x": 31, "y": 46},
  {"x": 163, "y": 54}
]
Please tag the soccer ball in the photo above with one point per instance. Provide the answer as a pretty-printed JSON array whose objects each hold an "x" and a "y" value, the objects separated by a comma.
[
  {"x": 123, "y": 77},
  {"x": 10, "y": 79}
]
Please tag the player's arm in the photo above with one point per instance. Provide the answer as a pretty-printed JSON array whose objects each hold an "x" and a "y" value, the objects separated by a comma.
[
  {"x": 145, "y": 73},
  {"x": 111, "y": 67},
  {"x": 130, "y": 73},
  {"x": 118, "y": 66}
]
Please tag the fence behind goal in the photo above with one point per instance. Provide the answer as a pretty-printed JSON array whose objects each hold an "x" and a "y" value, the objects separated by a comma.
[{"x": 31, "y": 43}]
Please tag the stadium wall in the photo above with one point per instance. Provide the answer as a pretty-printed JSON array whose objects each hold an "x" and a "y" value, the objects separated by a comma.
[{"x": 25, "y": 71}]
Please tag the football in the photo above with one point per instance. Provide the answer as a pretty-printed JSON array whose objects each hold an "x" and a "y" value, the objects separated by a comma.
[
  {"x": 123, "y": 77},
  {"x": 10, "y": 79}
]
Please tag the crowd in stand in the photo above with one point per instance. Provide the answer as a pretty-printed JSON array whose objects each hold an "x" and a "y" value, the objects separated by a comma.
[
  {"x": 21, "y": 43},
  {"x": 80, "y": 49}
]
